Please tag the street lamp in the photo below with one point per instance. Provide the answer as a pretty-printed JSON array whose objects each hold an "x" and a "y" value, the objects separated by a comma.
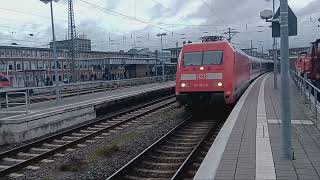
[
  {"x": 163, "y": 69},
  {"x": 54, "y": 49},
  {"x": 160, "y": 35}
]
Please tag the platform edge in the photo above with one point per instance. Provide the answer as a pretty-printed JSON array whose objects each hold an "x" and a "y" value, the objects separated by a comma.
[{"x": 209, "y": 166}]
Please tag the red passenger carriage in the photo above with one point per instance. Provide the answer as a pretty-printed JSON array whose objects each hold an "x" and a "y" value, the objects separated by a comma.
[{"x": 4, "y": 82}]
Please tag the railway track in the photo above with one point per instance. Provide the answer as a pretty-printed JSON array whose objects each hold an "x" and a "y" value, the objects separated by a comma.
[
  {"x": 177, "y": 155},
  {"x": 17, "y": 159}
]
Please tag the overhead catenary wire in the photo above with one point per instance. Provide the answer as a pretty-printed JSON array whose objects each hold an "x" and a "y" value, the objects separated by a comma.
[
  {"x": 31, "y": 14},
  {"x": 212, "y": 11},
  {"x": 112, "y": 12},
  {"x": 162, "y": 25},
  {"x": 215, "y": 14}
]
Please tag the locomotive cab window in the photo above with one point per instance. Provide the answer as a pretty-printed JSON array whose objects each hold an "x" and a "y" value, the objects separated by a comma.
[
  {"x": 203, "y": 58},
  {"x": 192, "y": 59},
  {"x": 212, "y": 58}
]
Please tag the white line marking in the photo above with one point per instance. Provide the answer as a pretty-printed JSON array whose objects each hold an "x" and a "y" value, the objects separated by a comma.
[
  {"x": 296, "y": 121},
  {"x": 210, "y": 164},
  {"x": 264, "y": 159}
]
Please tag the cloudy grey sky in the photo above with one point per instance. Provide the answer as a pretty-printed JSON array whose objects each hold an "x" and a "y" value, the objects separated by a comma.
[{"x": 121, "y": 24}]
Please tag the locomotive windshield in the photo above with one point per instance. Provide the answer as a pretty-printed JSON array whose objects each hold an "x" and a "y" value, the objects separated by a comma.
[
  {"x": 203, "y": 58},
  {"x": 192, "y": 59},
  {"x": 212, "y": 58}
]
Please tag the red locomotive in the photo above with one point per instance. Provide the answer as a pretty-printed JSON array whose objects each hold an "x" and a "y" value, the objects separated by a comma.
[
  {"x": 302, "y": 64},
  {"x": 215, "y": 72},
  {"x": 308, "y": 63}
]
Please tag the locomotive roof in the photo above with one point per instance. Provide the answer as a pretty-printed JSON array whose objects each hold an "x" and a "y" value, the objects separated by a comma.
[
  {"x": 202, "y": 44},
  {"x": 208, "y": 42},
  {"x": 224, "y": 42}
]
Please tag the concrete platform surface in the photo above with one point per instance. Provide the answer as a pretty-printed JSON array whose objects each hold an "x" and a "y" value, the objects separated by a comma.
[
  {"x": 249, "y": 144},
  {"x": 69, "y": 102}
]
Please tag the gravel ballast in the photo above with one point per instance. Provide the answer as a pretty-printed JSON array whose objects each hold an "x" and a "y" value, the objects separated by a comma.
[{"x": 100, "y": 159}]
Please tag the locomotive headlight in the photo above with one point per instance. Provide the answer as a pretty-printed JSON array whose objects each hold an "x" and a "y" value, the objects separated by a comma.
[
  {"x": 220, "y": 84},
  {"x": 201, "y": 68},
  {"x": 183, "y": 85}
]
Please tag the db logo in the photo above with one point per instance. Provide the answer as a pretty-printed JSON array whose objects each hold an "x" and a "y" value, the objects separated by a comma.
[{"x": 201, "y": 76}]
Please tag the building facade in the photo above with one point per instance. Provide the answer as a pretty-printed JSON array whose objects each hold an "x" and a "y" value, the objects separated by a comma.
[
  {"x": 174, "y": 52},
  {"x": 79, "y": 44},
  {"x": 27, "y": 66}
]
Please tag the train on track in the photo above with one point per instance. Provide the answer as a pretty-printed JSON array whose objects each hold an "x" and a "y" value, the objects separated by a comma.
[
  {"x": 214, "y": 72},
  {"x": 308, "y": 64}
]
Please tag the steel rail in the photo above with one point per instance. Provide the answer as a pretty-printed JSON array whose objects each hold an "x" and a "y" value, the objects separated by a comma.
[
  {"x": 32, "y": 160},
  {"x": 139, "y": 158}
]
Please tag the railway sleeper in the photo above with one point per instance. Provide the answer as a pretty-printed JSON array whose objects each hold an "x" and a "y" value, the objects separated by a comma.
[
  {"x": 166, "y": 167},
  {"x": 188, "y": 136},
  {"x": 166, "y": 164},
  {"x": 4, "y": 166},
  {"x": 167, "y": 158},
  {"x": 100, "y": 126},
  {"x": 88, "y": 131},
  {"x": 61, "y": 141},
  {"x": 144, "y": 172},
  {"x": 52, "y": 145},
  {"x": 183, "y": 139},
  {"x": 13, "y": 160},
  {"x": 171, "y": 152},
  {"x": 131, "y": 177},
  {"x": 40, "y": 149},
  {"x": 78, "y": 134},
  {"x": 177, "y": 143},
  {"x": 190, "y": 133},
  {"x": 107, "y": 124},
  {"x": 182, "y": 148},
  {"x": 95, "y": 128},
  {"x": 27, "y": 154}
]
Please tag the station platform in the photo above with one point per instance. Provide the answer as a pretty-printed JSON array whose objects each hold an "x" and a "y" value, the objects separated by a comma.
[
  {"x": 249, "y": 144},
  {"x": 50, "y": 116},
  {"x": 92, "y": 98}
]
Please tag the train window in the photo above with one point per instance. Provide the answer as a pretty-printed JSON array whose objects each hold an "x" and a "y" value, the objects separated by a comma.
[
  {"x": 255, "y": 65},
  {"x": 212, "y": 57},
  {"x": 192, "y": 59}
]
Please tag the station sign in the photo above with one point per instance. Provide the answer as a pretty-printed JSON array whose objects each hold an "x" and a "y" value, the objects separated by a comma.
[{"x": 292, "y": 23}]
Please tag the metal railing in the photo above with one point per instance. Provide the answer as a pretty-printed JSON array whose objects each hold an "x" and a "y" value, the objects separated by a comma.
[
  {"x": 12, "y": 101},
  {"x": 25, "y": 96},
  {"x": 309, "y": 92}
]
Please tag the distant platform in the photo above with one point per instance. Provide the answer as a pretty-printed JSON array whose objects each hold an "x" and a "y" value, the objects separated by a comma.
[
  {"x": 249, "y": 144},
  {"x": 50, "y": 116}
]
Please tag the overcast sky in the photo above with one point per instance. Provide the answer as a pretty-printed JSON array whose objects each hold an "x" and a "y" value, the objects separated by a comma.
[{"x": 112, "y": 26}]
